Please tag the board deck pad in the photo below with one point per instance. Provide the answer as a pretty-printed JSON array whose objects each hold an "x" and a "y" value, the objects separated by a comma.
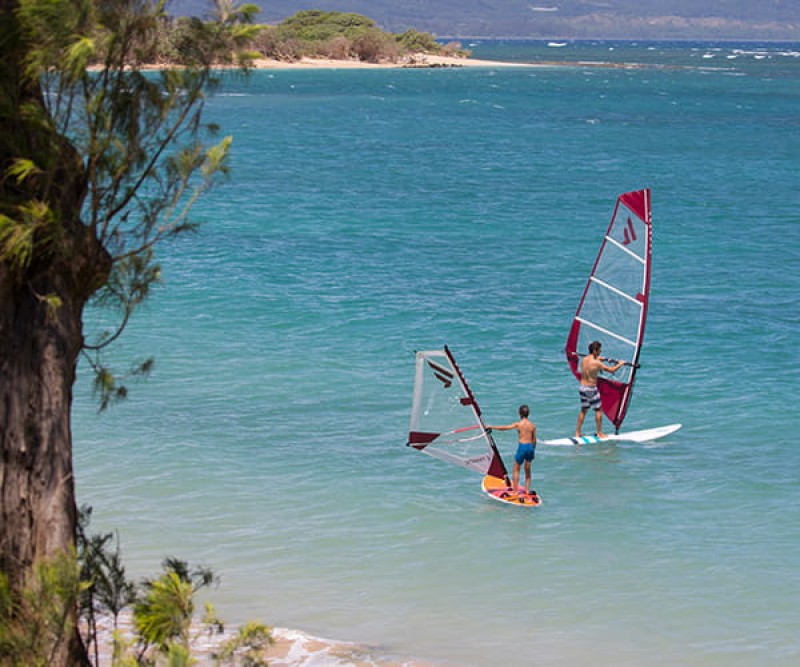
[
  {"x": 496, "y": 489},
  {"x": 646, "y": 435}
]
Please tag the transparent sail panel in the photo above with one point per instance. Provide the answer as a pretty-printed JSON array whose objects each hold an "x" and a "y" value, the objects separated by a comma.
[{"x": 444, "y": 418}]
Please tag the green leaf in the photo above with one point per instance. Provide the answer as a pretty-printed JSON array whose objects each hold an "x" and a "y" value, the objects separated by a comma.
[
  {"x": 217, "y": 158},
  {"x": 78, "y": 55},
  {"x": 22, "y": 169}
]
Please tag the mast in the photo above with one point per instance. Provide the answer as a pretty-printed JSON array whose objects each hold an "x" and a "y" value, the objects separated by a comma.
[{"x": 497, "y": 468}]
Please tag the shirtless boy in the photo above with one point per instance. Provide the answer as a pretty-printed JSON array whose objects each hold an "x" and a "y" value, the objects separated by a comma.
[
  {"x": 526, "y": 449},
  {"x": 591, "y": 366}
]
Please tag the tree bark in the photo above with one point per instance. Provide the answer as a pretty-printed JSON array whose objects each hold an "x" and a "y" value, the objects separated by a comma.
[
  {"x": 37, "y": 491},
  {"x": 39, "y": 343}
]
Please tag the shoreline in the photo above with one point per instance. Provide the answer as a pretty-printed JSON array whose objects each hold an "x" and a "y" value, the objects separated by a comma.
[
  {"x": 431, "y": 61},
  {"x": 291, "y": 648},
  {"x": 412, "y": 61},
  {"x": 416, "y": 61},
  {"x": 419, "y": 60}
]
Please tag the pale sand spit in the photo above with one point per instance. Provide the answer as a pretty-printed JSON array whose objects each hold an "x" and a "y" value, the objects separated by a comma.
[{"x": 417, "y": 60}]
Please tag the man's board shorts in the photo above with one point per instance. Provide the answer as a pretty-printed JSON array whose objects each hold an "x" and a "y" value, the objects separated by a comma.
[
  {"x": 525, "y": 452},
  {"x": 590, "y": 398}
]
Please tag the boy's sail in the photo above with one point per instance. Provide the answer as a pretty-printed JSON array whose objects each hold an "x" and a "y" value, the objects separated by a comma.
[
  {"x": 613, "y": 307},
  {"x": 446, "y": 420}
]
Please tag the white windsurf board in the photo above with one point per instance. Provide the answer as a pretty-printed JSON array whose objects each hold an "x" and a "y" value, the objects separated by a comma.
[{"x": 646, "y": 435}]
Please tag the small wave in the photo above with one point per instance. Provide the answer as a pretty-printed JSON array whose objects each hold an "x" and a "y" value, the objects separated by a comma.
[
  {"x": 292, "y": 648},
  {"x": 764, "y": 53}
]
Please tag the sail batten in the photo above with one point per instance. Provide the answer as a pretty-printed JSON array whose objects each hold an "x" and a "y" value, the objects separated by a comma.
[
  {"x": 624, "y": 295},
  {"x": 613, "y": 306},
  {"x": 600, "y": 329},
  {"x": 643, "y": 260}
]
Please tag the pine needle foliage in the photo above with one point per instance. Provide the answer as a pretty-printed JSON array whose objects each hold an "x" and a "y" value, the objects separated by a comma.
[
  {"x": 136, "y": 137},
  {"x": 32, "y": 624}
]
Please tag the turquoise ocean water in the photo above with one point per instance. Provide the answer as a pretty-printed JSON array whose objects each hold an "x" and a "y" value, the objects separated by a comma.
[{"x": 374, "y": 213}]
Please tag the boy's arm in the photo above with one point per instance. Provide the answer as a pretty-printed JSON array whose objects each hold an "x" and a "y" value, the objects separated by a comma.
[{"x": 507, "y": 427}]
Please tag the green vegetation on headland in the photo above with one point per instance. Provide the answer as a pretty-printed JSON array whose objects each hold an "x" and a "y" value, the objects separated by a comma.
[
  {"x": 315, "y": 34},
  {"x": 343, "y": 36}
]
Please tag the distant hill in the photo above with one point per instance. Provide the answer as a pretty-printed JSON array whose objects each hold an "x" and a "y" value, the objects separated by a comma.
[{"x": 566, "y": 19}]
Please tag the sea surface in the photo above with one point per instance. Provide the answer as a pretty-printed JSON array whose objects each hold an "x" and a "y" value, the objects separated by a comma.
[{"x": 373, "y": 213}]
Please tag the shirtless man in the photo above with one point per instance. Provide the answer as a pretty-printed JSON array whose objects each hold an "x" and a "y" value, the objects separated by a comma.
[
  {"x": 526, "y": 449},
  {"x": 591, "y": 366}
]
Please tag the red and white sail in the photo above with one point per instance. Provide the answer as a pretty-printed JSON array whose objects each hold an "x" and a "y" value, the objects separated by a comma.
[
  {"x": 446, "y": 420},
  {"x": 613, "y": 307}
]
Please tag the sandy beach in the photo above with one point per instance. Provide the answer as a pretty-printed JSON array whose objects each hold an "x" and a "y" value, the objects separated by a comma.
[
  {"x": 426, "y": 61},
  {"x": 419, "y": 60},
  {"x": 413, "y": 61}
]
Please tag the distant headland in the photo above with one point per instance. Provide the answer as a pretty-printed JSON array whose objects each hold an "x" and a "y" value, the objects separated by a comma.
[{"x": 315, "y": 38}]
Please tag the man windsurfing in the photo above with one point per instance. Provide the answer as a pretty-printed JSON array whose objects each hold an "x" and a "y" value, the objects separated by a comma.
[{"x": 590, "y": 367}]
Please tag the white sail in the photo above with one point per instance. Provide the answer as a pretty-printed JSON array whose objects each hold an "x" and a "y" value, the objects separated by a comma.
[{"x": 446, "y": 421}]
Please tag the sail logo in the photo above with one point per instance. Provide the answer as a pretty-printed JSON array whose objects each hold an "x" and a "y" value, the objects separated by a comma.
[
  {"x": 442, "y": 374},
  {"x": 629, "y": 233}
]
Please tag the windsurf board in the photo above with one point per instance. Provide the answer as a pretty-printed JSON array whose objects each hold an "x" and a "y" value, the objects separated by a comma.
[
  {"x": 496, "y": 489},
  {"x": 646, "y": 435}
]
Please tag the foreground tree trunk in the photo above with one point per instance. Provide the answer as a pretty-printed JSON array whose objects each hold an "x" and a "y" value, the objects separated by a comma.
[
  {"x": 37, "y": 495},
  {"x": 41, "y": 308}
]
